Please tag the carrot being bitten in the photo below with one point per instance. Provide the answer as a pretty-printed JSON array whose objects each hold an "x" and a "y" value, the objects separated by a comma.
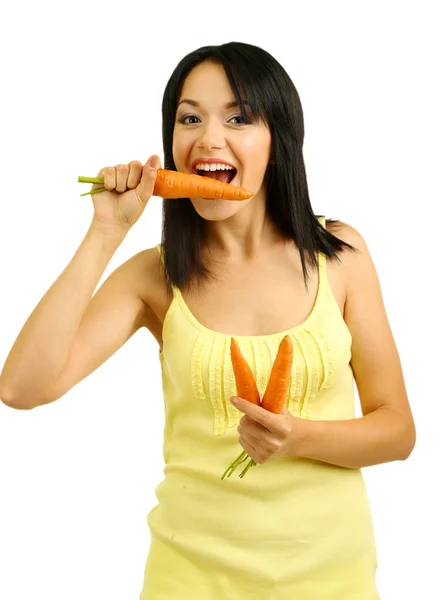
[
  {"x": 275, "y": 394},
  {"x": 174, "y": 184}
]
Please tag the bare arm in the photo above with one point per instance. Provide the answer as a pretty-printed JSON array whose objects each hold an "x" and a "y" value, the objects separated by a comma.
[
  {"x": 386, "y": 431},
  {"x": 384, "y": 435},
  {"x": 42, "y": 347}
]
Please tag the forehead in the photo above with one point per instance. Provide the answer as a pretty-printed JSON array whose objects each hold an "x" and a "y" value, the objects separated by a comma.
[{"x": 207, "y": 84}]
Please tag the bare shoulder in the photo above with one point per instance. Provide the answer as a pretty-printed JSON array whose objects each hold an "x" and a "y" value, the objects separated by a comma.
[
  {"x": 353, "y": 263},
  {"x": 345, "y": 232}
]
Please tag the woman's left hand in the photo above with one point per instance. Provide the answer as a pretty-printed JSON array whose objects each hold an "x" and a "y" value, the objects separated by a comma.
[{"x": 265, "y": 435}]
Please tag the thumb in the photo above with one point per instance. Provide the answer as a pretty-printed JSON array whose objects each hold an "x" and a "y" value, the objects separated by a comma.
[{"x": 145, "y": 187}]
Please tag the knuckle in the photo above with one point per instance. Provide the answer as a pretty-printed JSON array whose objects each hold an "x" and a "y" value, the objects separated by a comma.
[{"x": 135, "y": 173}]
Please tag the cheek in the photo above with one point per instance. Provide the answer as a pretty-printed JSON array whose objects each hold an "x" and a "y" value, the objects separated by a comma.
[
  {"x": 257, "y": 147},
  {"x": 176, "y": 149},
  {"x": 180, "y": 150}
]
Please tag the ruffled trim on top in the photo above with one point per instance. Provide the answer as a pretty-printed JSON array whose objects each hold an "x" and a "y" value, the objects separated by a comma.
[{"x": 211, "y": 362}]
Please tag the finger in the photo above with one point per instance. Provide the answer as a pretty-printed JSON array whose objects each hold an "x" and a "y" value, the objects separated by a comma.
[
  {"x": 146, "y": 186},
  {"x": 252, "y": 439},
  {"x": 95, "y": 186},
  {"x": 253, "y": 431},
  {"x": 257, "y": 413},
  {"x": 109, "y": 178},
  {"x": 250, "y": 450},
  {"x": 122, "y": 173},
  {"x": 256, "y": 429},
  {"x": 104, "y": 173},
  {"x": 135, "y": 174}
]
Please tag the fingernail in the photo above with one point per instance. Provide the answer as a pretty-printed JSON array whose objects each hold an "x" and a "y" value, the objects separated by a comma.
[
  {"x": 234, "y": 399},
  {"x": 152, "y": 162}
]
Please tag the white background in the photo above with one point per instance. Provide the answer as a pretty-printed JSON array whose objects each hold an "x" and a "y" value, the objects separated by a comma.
[{"x": 82, "y": 88}]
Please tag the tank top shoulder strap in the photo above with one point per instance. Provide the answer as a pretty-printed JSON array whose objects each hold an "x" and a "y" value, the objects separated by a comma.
[{"x": 322, "y": 262}]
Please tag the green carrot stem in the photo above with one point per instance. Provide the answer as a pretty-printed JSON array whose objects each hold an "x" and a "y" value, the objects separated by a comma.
[
  {"x": 241, "y": 458},
  {"x": 238, "y": 461},
  {"x": 251, "y": 463},
  {"x": 96, "y": 191},
  {"x": 81, "y": 179}
]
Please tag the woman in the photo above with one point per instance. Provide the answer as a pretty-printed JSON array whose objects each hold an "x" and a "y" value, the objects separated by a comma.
[{"x": 299, "y": 524}]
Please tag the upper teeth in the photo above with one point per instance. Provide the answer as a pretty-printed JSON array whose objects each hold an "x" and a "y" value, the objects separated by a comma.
[{"x": 213, "y": 167}]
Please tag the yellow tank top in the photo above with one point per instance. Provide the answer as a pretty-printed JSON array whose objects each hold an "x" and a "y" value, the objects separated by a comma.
[{"x": 292, "y": 528}]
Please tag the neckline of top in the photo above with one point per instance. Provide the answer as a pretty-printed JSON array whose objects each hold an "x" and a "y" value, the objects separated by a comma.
[{"x": 194, "y": 321}]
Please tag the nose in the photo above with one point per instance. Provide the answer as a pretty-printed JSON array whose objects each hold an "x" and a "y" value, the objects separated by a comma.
[{"x": 211, "y": 137}]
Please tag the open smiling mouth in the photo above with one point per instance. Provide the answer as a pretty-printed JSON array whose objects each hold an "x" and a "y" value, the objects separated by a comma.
[{"x": 225, "y": 175}]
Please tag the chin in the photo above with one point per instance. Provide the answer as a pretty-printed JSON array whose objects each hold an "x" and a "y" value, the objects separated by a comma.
[{"x": 216, "y": 210}]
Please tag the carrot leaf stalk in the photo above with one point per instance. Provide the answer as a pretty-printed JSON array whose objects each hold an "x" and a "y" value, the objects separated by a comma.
[
  {"x": 96, "y": 191},
  {"x": 238, "y": 461},
  {"x": 81, "y": 179},
  {"x": 251, "y": 463},
  {"x": 274, "y": 396}
]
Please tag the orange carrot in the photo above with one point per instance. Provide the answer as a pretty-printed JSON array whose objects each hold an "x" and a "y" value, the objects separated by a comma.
[
  {"x": 246, "y": 389},
  {"x": 174, "y": 184},
  {"x": 274, "y": 396},
  {"x": 277, "y": 388},
  {"x": 244, "y": 379}
]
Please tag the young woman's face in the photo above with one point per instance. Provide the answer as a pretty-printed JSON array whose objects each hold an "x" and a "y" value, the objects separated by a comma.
[{"x": 209, "y": 129}]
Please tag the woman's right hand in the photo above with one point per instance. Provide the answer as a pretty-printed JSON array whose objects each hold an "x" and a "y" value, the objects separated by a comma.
[{"x": 128, "y": 190}]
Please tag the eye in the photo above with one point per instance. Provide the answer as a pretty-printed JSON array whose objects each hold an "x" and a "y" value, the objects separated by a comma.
[
  {"x": 183, "y": 119},
  {"x": 243, "y": 121}
]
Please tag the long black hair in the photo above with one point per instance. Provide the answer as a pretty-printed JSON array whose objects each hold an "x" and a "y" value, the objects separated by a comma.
[{"x": 253, "y": 73}]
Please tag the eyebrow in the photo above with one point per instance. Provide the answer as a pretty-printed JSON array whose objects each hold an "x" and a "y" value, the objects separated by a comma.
[{"x": 197, "y": 104}]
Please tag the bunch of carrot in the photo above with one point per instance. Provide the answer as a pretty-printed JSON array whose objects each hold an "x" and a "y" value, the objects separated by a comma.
[
  {"x": 174, "y": 184},
  {"x": 275, "y": 393}
]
